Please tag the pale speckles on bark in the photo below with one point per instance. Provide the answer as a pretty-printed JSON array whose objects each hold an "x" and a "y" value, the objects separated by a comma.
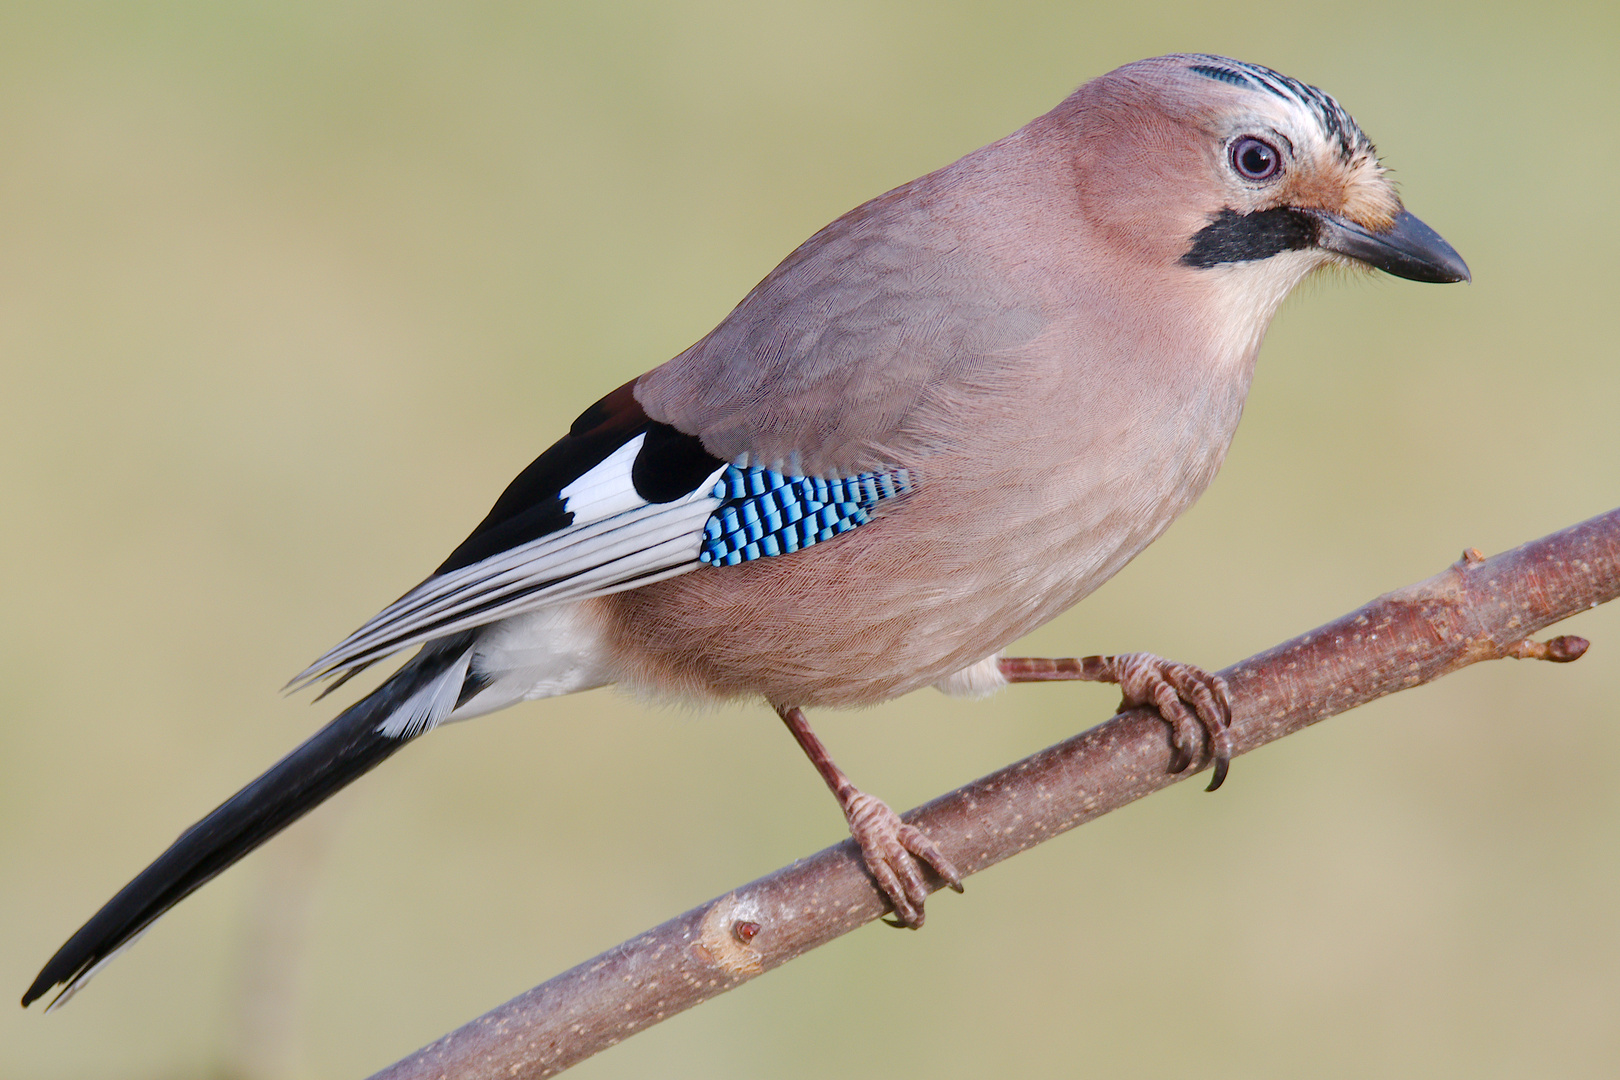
[{"x": 1476, "y": 610}]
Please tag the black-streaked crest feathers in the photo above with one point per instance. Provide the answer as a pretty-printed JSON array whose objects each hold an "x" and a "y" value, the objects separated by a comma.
[{"x": 1336, "y": 123}]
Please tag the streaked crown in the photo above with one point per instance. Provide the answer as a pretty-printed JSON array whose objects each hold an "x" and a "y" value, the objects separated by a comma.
[{"x": 1337, "y": 125}]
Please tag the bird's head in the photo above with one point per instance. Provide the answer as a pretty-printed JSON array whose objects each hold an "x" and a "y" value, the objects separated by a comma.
[{"x": 1213, "y": 165}]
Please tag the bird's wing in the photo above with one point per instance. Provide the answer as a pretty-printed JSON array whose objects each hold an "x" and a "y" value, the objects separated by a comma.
[{"x": 619, "y": 501}]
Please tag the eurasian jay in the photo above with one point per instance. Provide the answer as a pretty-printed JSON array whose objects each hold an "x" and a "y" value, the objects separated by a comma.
[{"x": 944, "y": 419}]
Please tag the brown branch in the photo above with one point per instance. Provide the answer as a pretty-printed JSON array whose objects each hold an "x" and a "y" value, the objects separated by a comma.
[{"x": 1478, "y": 609}]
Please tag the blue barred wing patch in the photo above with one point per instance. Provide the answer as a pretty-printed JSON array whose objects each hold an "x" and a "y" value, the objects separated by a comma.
[{"x": 763, "y": 512}]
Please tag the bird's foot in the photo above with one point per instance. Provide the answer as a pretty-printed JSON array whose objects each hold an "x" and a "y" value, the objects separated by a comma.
[
  {"x": 1169, "y": 687},
  {"x": 1146, "y": 679},
  {"x": 894, "y": 853}
]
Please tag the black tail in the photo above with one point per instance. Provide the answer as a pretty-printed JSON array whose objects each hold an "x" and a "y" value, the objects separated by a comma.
[{"x": 334, "y": 757}]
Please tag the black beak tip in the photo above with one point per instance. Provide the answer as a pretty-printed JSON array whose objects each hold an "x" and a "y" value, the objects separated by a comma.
[
  {"x": 1407, "y": 249},
  {"x": 1431, "y": 252}
]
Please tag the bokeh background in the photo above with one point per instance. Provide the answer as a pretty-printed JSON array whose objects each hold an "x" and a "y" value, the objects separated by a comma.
[{"x": 289, "y": 291}]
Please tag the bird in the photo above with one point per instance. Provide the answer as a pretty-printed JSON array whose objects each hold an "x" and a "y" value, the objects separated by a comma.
[{"x": 942, "y": 420}]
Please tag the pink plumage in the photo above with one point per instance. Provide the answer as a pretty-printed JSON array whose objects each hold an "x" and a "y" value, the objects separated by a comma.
[{"x": 944, "y": 419}]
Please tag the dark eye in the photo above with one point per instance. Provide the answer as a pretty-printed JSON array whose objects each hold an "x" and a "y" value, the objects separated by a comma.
[{"x": 1255, "y": 159}]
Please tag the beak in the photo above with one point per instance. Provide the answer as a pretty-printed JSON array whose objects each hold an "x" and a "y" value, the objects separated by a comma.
[{"x": 1408, "y": 249}]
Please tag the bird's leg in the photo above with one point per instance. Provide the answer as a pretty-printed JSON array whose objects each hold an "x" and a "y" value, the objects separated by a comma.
[
  {"x": 889, "y": 846},
  {"x": 1145, "y": 679}
]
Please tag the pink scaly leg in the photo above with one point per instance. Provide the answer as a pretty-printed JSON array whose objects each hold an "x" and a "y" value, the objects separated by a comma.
[
  {"x": 1145, "y": 679},
  {"x": 890, "y": 847}
]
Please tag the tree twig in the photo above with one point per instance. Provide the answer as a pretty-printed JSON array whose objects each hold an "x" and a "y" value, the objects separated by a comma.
[{"x": 1478, "y": 609}]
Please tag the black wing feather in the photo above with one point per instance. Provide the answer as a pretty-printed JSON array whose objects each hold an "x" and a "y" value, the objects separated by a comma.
[{"x": 670, "y": 464}]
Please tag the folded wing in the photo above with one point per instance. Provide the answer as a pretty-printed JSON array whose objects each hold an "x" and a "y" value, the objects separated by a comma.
[{"x": 619, "y": 502}]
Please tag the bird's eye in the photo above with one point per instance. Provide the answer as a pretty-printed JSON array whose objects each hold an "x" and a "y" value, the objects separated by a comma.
[{"x": 1255, "y": 159}]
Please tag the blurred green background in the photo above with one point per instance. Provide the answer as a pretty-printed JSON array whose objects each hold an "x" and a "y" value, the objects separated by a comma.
[{"x": 289, "y": 291}]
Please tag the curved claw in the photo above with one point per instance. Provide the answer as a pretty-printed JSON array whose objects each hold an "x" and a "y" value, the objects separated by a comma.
[
  {"x": 895, "y": 853},
  {"x": 1170, "y": 687},
  {"x": 1146, "y": 679}
]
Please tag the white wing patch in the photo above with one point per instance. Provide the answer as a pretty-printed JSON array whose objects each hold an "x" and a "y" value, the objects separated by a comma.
[
  {"x": 606, "y": 490},
  {"x": 617, "y": 541}
]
